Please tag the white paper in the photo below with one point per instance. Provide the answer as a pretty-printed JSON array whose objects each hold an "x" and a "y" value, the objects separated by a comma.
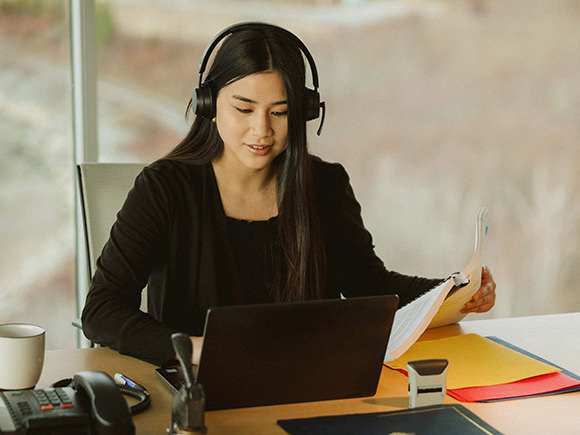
[
  {"x": 439, "y": 306},
  {"x": 450, "y": 310},
  {"x": 409, "y": 318}
]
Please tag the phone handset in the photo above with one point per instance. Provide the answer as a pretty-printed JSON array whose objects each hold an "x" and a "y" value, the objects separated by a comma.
[{"x": 107, "y": 406}]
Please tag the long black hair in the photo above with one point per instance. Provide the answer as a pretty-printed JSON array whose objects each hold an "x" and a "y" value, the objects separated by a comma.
[{"x": 301, "y": 269}]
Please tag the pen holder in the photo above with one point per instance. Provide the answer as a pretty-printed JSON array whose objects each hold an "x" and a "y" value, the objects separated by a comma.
[
  {"x": 427, "y": 382},
  {"x": 187, "y": 414}
]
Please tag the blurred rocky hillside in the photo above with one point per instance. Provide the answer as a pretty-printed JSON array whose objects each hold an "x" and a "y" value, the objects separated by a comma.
[{"x": 435, "y": 108}]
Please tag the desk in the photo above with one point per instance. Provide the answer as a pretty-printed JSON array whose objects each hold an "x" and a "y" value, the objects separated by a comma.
[{"x": 553, "y": 337}]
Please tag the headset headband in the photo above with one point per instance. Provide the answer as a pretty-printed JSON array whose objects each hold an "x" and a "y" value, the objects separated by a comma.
[
  {"x": 256, "y": 26},
  {"x": 203, "y": 101}
]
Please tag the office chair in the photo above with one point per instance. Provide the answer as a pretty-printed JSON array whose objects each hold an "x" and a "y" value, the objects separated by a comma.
[{"x": 103, "y": 189}]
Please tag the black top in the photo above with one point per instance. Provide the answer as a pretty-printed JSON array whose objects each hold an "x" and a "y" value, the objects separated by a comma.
[
  {"x": 173, "y": 236},
  {"x": 255, "y": 248}
]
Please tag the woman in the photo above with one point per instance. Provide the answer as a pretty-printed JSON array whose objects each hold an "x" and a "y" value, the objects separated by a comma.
[{"x": 239, "y": 212}]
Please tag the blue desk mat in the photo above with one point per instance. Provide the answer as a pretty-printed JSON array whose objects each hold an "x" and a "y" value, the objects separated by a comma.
[
  {"x": 427, "y": 420},
  {"x": 525, "y": 352}
]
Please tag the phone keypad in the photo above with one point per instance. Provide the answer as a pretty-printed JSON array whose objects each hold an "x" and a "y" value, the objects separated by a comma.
[
  {"x": 25, "y": 408},
  {"x": 29, "y": 411},
  {"x": 50, "y": 399}
]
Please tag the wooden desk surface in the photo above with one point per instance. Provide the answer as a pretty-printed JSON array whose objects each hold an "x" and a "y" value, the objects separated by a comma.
[{"x": 553, "y": 337}]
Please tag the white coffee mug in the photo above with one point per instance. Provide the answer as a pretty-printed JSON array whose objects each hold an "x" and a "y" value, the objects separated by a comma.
[{"x": 21, "y": 355}]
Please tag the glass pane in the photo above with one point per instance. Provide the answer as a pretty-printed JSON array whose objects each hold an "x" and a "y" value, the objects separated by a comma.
[
  {"x": 142, "y": 83},
  {"x": 36, "y": 185},
  {"x": 435, "y": 109}
]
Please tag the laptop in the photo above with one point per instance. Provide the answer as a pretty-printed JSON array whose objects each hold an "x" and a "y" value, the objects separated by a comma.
[{"x": 268, "y": 354}]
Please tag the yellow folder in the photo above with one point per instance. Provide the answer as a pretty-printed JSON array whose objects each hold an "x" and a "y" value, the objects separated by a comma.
[{"x": 475, "y": 361}]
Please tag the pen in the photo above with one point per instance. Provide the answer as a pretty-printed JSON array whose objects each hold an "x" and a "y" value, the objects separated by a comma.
[{"x": 124, "y": 380}]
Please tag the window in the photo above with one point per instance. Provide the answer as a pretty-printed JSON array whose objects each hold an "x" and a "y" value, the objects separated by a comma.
[
  {"x": 434, "y": 109},
  {"x": 36, "y": 228}
]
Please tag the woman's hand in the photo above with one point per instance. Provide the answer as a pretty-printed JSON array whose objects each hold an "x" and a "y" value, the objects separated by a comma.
[{"x": 484, "y": 299}]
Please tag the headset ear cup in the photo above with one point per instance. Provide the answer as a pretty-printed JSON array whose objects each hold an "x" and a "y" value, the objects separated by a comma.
[
  {"x": 203, "y": 102},
  {"x": 311, "y": 103}
]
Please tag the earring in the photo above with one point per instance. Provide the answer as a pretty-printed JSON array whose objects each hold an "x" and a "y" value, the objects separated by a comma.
[{"x": 213, "y": 120}]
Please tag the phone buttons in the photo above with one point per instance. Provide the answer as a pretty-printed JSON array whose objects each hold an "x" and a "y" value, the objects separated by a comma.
[{"x": 24, "y": 408}]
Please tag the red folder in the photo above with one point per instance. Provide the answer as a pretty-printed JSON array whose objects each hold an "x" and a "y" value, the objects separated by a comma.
[
  {"x": 552, "y": 383},
  {"x": 539, "y": 385}
]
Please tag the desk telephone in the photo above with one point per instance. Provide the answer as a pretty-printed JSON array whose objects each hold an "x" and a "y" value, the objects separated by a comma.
[{"x": 91, "y": 404}]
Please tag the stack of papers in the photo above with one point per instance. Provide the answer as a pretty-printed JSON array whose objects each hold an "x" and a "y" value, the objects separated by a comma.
[{"x": 486, "y": 369}]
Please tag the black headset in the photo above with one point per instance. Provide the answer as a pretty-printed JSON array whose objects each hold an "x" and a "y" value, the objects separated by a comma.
[{"x": 203, "y": 99}]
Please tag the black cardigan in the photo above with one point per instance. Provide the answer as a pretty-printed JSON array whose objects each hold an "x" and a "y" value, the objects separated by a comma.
[{"x": 171, "y": 235}]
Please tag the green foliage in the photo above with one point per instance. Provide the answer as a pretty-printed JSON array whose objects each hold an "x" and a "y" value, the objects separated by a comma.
[
  {"x": 105, "y": 25},
  {"x": 32, "y": 7}
]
